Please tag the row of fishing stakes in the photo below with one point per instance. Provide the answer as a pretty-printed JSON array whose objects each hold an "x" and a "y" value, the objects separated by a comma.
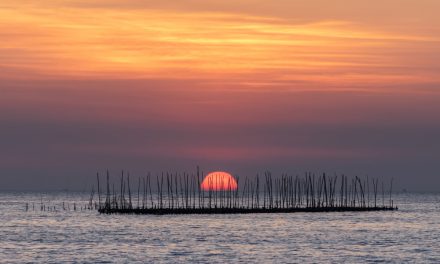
[
  {"x": 182, "y": 193},
  {"x": 64, "y": 206},
  {"x": 50, "y": 207}
]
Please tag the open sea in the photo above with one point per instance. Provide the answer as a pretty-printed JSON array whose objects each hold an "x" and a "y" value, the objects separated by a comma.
[{"x": 409, "y": 235}]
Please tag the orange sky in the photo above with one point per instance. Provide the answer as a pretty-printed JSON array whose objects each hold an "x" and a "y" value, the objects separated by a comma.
[
  {"x": 240, "y": 86},
  {"x": 319, "y": 42}
]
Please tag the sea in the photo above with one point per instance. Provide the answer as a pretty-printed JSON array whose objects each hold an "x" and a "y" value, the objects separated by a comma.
[{"x": 60, "y": 234}]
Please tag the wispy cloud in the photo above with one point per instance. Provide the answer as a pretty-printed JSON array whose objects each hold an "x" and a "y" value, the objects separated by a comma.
[{"x": 69, "y": 42}]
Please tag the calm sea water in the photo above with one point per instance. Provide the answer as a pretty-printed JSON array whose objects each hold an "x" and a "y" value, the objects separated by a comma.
[{"x": 411, "y": 234}]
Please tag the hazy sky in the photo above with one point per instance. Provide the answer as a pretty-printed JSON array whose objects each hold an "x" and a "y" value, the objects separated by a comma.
[{"x": 242, "y": 86}]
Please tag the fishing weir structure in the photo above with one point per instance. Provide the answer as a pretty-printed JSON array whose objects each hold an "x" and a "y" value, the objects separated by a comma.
[{"x": 219, "y": 194}]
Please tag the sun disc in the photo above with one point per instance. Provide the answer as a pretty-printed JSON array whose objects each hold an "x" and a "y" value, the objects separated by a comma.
[{"x": 219, "y": 181}]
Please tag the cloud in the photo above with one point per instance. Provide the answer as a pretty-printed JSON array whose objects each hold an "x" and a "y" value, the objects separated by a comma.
[{"x": 69, "y": 42}]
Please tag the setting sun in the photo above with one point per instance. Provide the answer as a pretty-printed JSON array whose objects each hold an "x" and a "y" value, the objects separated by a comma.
[{"x": 219, "y": 181}]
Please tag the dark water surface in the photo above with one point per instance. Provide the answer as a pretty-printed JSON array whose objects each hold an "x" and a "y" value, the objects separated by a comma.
[{"x": 411, "y": 234}]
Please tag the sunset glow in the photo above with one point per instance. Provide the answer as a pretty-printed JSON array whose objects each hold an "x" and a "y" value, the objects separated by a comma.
[
  {"x": 73, "y": 41},
  {"x": 245, "y": 85},
  {"x": 187, "y": 131},
  {"x": 219, "y": 181}
]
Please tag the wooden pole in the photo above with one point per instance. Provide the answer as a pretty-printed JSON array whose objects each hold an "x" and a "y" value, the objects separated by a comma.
[{"x": 99, "y": 192}]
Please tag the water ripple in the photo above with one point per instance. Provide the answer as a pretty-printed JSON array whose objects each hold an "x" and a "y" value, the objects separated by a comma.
[{"x": 408, "y": 235}]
